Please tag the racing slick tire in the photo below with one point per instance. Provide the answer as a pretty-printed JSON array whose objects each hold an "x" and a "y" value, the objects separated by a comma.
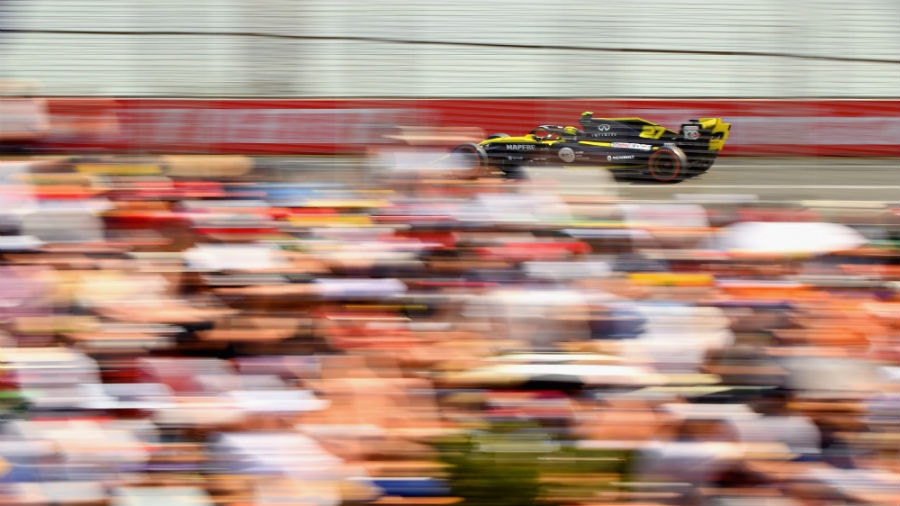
[
  {"x": 474, "y": 159},
  {"x": 513, "y": 171},
  {"x": 667, "y": 165}
]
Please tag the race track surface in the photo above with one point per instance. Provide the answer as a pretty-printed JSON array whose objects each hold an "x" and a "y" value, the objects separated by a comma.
[
  {"x": 787, "y": 179},
  {"x": 793, "y": 179},
  {"x": 848, "y": 180}
]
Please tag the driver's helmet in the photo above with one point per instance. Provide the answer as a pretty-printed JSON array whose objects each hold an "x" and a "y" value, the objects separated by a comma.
[
  {"x": 570, "y": 131},
  {"x": 586, "y": 117}
]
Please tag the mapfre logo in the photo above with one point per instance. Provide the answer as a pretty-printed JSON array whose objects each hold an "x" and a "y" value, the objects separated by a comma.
[{"x": 521, "y": 147}]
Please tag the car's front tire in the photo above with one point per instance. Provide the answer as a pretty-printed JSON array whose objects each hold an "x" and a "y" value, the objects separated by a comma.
[
  {"x": 513, "y": 172},
  {"x": 472, "y": 159},
  {"x": 667, "y": 165}
]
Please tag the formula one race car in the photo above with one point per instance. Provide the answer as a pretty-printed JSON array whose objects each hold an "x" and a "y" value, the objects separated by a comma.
[{"x": 639, "y": 147}]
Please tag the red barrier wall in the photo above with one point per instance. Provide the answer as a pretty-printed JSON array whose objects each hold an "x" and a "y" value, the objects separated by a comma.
[{"x": 313, "y": 126}]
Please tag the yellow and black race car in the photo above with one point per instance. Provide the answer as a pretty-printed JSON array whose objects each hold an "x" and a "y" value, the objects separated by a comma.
[{"x": 633, "y": 145}]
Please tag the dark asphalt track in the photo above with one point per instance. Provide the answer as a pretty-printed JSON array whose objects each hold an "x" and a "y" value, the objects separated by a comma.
[
  {"x": 787, "y": 179},
  {"x": 793, "y": 179}
]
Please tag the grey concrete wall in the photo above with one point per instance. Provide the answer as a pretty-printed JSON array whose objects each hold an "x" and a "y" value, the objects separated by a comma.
[{"x": 465, "y": 48}]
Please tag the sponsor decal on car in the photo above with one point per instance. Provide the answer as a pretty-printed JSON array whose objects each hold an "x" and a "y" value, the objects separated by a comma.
[
  {"x": 617, "y": 158},
  {"x": 602, "y": 130},
  {"x": 632, "y": 145},
  {"x": 692, "y": 132},
  {"x": 567, "y": 154},
  {"x": 521, "y": 147}
]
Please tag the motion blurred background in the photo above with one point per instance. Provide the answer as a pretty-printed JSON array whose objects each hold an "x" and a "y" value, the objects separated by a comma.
[{"x": 230, "y": 274}]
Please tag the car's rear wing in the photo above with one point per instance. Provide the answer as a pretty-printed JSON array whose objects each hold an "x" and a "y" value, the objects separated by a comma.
[{"x": 714, "y": 129}]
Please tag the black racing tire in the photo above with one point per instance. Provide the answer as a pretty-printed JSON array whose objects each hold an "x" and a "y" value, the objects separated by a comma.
[
  {"x": 513, "y": 172},
  {"x": 472, "y": 149},
  {"x": 473, "y": 157},
  {"x": 667, "y": 165},
  {"x": 497, "y": 136}
]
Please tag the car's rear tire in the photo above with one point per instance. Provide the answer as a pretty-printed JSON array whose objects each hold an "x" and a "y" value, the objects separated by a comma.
[{"x": 667, "y": 165}]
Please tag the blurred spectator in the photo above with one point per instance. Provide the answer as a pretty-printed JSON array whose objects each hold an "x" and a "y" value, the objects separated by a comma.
[{"x": 345, "y": 349}]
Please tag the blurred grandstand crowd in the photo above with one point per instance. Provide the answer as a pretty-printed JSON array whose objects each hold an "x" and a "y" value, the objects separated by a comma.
[{"x": 209, "y": 332}]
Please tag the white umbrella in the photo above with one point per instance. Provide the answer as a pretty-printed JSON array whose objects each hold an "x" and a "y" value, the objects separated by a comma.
[
  {"x": 224, "y": 257},
  {"x": 555, "y": 358},
  {"x": 835, "y": 377},
  {"x": 19, "y": 243},
  {"x": 110, "y": 396},
  {"x": 511, "y": 374},
  {"x": 61, "y": 225},
  {"x": 677, "y": 215},
  {"x": 567, "y": 271},
  {"x": 276, "y": 401},
  {"x": 788, "y": 238},
  {"x": 172, "y": 496},
  {"x": 336, "y": 288}
]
